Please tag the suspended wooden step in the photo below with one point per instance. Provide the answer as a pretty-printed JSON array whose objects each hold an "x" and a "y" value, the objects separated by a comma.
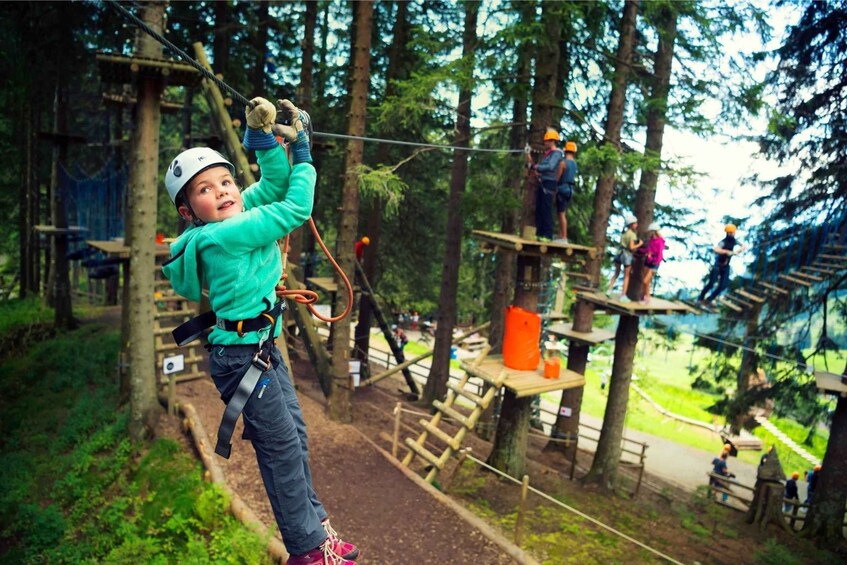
[
  {"x": 832, "y": 257},
  {"x": 750, "y": 296},
  {"x": 730, "y": 304},
  {"x": 772, "y": 287},
  {"x": 802, "y": 275},
  {"x": 794, "y": 280},
  {"x": 447, "y": 409},
  {"x": 740, "y": 300},
  {"x": 820, "y": 270}
]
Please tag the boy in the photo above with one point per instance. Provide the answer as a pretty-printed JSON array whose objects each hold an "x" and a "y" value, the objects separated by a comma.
[
  {"x": 629, "y": 243},
  {"x": 724, "y": 250},
  {"x": 567, "y": 180},
  {"x": 231, "y": 249}
]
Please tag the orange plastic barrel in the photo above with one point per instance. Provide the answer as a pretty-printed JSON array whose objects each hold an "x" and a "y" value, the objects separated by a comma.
[
  {"x": 552, "y": 368},
  {"x": 520, "y": 339}
]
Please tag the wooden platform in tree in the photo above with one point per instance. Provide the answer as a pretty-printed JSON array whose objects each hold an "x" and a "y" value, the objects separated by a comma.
[
  {"x": 594, "y": 337},
  {"x": 119, "y": 250},
  {"x": 120, "y": 69},
  {"x": 53, "y": 230},
  {"x": 831, "y": 383},
  {"x": 654, "y": 307},
  {"x": 561, "y": 251},
  {"x": 523, "y": 383}
]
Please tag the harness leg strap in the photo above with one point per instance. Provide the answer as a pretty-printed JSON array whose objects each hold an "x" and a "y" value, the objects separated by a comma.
[{"x": 237, "y": 402}]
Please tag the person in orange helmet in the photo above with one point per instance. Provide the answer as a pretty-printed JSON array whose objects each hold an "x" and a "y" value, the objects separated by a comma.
[
  {"x": 548, "y": 171},
  {"x": 564, "y": 193},
  {"x": 724, "y": 250},
  {"x": 359, "y": 247}
]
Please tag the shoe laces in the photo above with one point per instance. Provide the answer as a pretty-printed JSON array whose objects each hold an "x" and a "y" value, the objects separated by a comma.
[
  {"x": 330, "y": 531},
  {"x": 330, "y": 556}
]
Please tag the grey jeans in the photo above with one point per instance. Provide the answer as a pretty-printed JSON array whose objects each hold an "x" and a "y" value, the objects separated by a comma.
[{"x": 274, "y": 424}]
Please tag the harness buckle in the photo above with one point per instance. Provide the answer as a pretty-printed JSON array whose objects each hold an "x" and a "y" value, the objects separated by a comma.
[{"x": 263, "y": 364}]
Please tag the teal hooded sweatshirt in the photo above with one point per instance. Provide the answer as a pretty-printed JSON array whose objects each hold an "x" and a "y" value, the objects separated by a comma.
[{"x": 237, "y": 259}]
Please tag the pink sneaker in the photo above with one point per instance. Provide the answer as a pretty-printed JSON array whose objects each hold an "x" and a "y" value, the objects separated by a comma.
[
  {"x": 322, "y": 555},
  {"x": 340, "y": 547}
]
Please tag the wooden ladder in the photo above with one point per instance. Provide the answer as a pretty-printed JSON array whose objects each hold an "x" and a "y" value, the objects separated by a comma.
[
  {"x": 446, "y": 409},
  {"x": 170, "y": 311}
]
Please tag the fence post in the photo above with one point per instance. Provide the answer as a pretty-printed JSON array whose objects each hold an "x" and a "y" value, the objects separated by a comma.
[
  {"x": 575, "y": 451},
  {"x": 641, "y": 470},
  {"x": 396, "y": 439},
  {"x": 521, "y": 510},
  {"x": 793, "y": 514}
]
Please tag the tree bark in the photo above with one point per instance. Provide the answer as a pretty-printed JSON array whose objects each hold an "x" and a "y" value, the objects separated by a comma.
[
  {"x": 568, "y": 427},
  {"x": 749, "y": 364},
  {"x": 340, "y": 408},
  {"x": 657, "y": 110},
  {"x": 436, "y": 384},
  {"x": 221, "y": 42},
  {"x": 824, "y": 522},
  {"x": 304, "y": 102},
  {"x": 143, "y": 183},
  {"x": 59, "y": 287},
  {"x": 29, "y": 205},
  {"x": 373, "y": 230},
  {"x": 608, "y": 455},
  {"x": 543, "y": 97},
  {"x": 260, "y": 47},
  {"x": 505, "y": 270}
]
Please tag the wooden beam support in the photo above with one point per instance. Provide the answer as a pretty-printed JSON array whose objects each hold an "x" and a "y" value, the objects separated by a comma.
[{"x": 816, "y": 269}]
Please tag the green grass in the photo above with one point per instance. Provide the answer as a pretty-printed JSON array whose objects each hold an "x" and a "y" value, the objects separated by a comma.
[
  {"x": 76, "y": 490},
  {"x": 17, "y": 313}
]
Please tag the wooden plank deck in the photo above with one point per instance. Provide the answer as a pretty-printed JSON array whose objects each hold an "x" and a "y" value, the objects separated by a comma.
[
  {"x": 654, "y": 307},
  {"x": 523, "y": 383},
  {"x": 831, "y": 383},
  {"x": 594, "y": 337},
  {"x": 562, "y": 251}
]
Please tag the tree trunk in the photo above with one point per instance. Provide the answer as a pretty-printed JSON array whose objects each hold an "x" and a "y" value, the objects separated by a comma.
[
  {"x": 824, "y": 522},
  {"x": 749, "y": 364},
  {"x": 143, "y": 185},
  {"x": 608, "y": 455},
  {"x": 509, "y": 450},
  {"x": 28, "y": 247},
  {"x": 340, "y": 409},
  {"x": 223, "y": 33},
  {"x": 260, "y": 47},
  {"x": 568, "y": 427},
  {"x": 304, "y": 102},
  {"x": 373, "y": 230},
  {"x": 505, "y": 270},
  {"x": 436, "y": 383},
  {"x": 657, "y": 110},
  {"x": 60, "y": 283},
  {"x": 543, "y": 97}
]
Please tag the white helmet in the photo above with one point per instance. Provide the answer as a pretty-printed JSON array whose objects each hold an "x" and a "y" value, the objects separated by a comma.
[
  {"x": 188, "y": 165},
  {"x": 653, "y": 227},
  {"x": 630, "y": 220}
]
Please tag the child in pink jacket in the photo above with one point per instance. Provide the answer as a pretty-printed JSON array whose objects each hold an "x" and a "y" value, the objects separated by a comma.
[{"x": 653, "y": 257}]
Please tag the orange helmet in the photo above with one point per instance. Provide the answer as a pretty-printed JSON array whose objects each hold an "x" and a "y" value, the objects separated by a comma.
[
  {"x": 817, "y": 468},
  {"x": 795, "y": 475},
  {"x": 551, "y": 135},
  {"x": 570, "y": 147},
  {"x": 366, "y": 240},
  {"x": 730, "y": 228}
]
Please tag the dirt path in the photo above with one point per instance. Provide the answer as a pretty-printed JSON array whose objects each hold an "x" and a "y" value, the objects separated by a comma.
[{"x": 372, "y": 503}]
